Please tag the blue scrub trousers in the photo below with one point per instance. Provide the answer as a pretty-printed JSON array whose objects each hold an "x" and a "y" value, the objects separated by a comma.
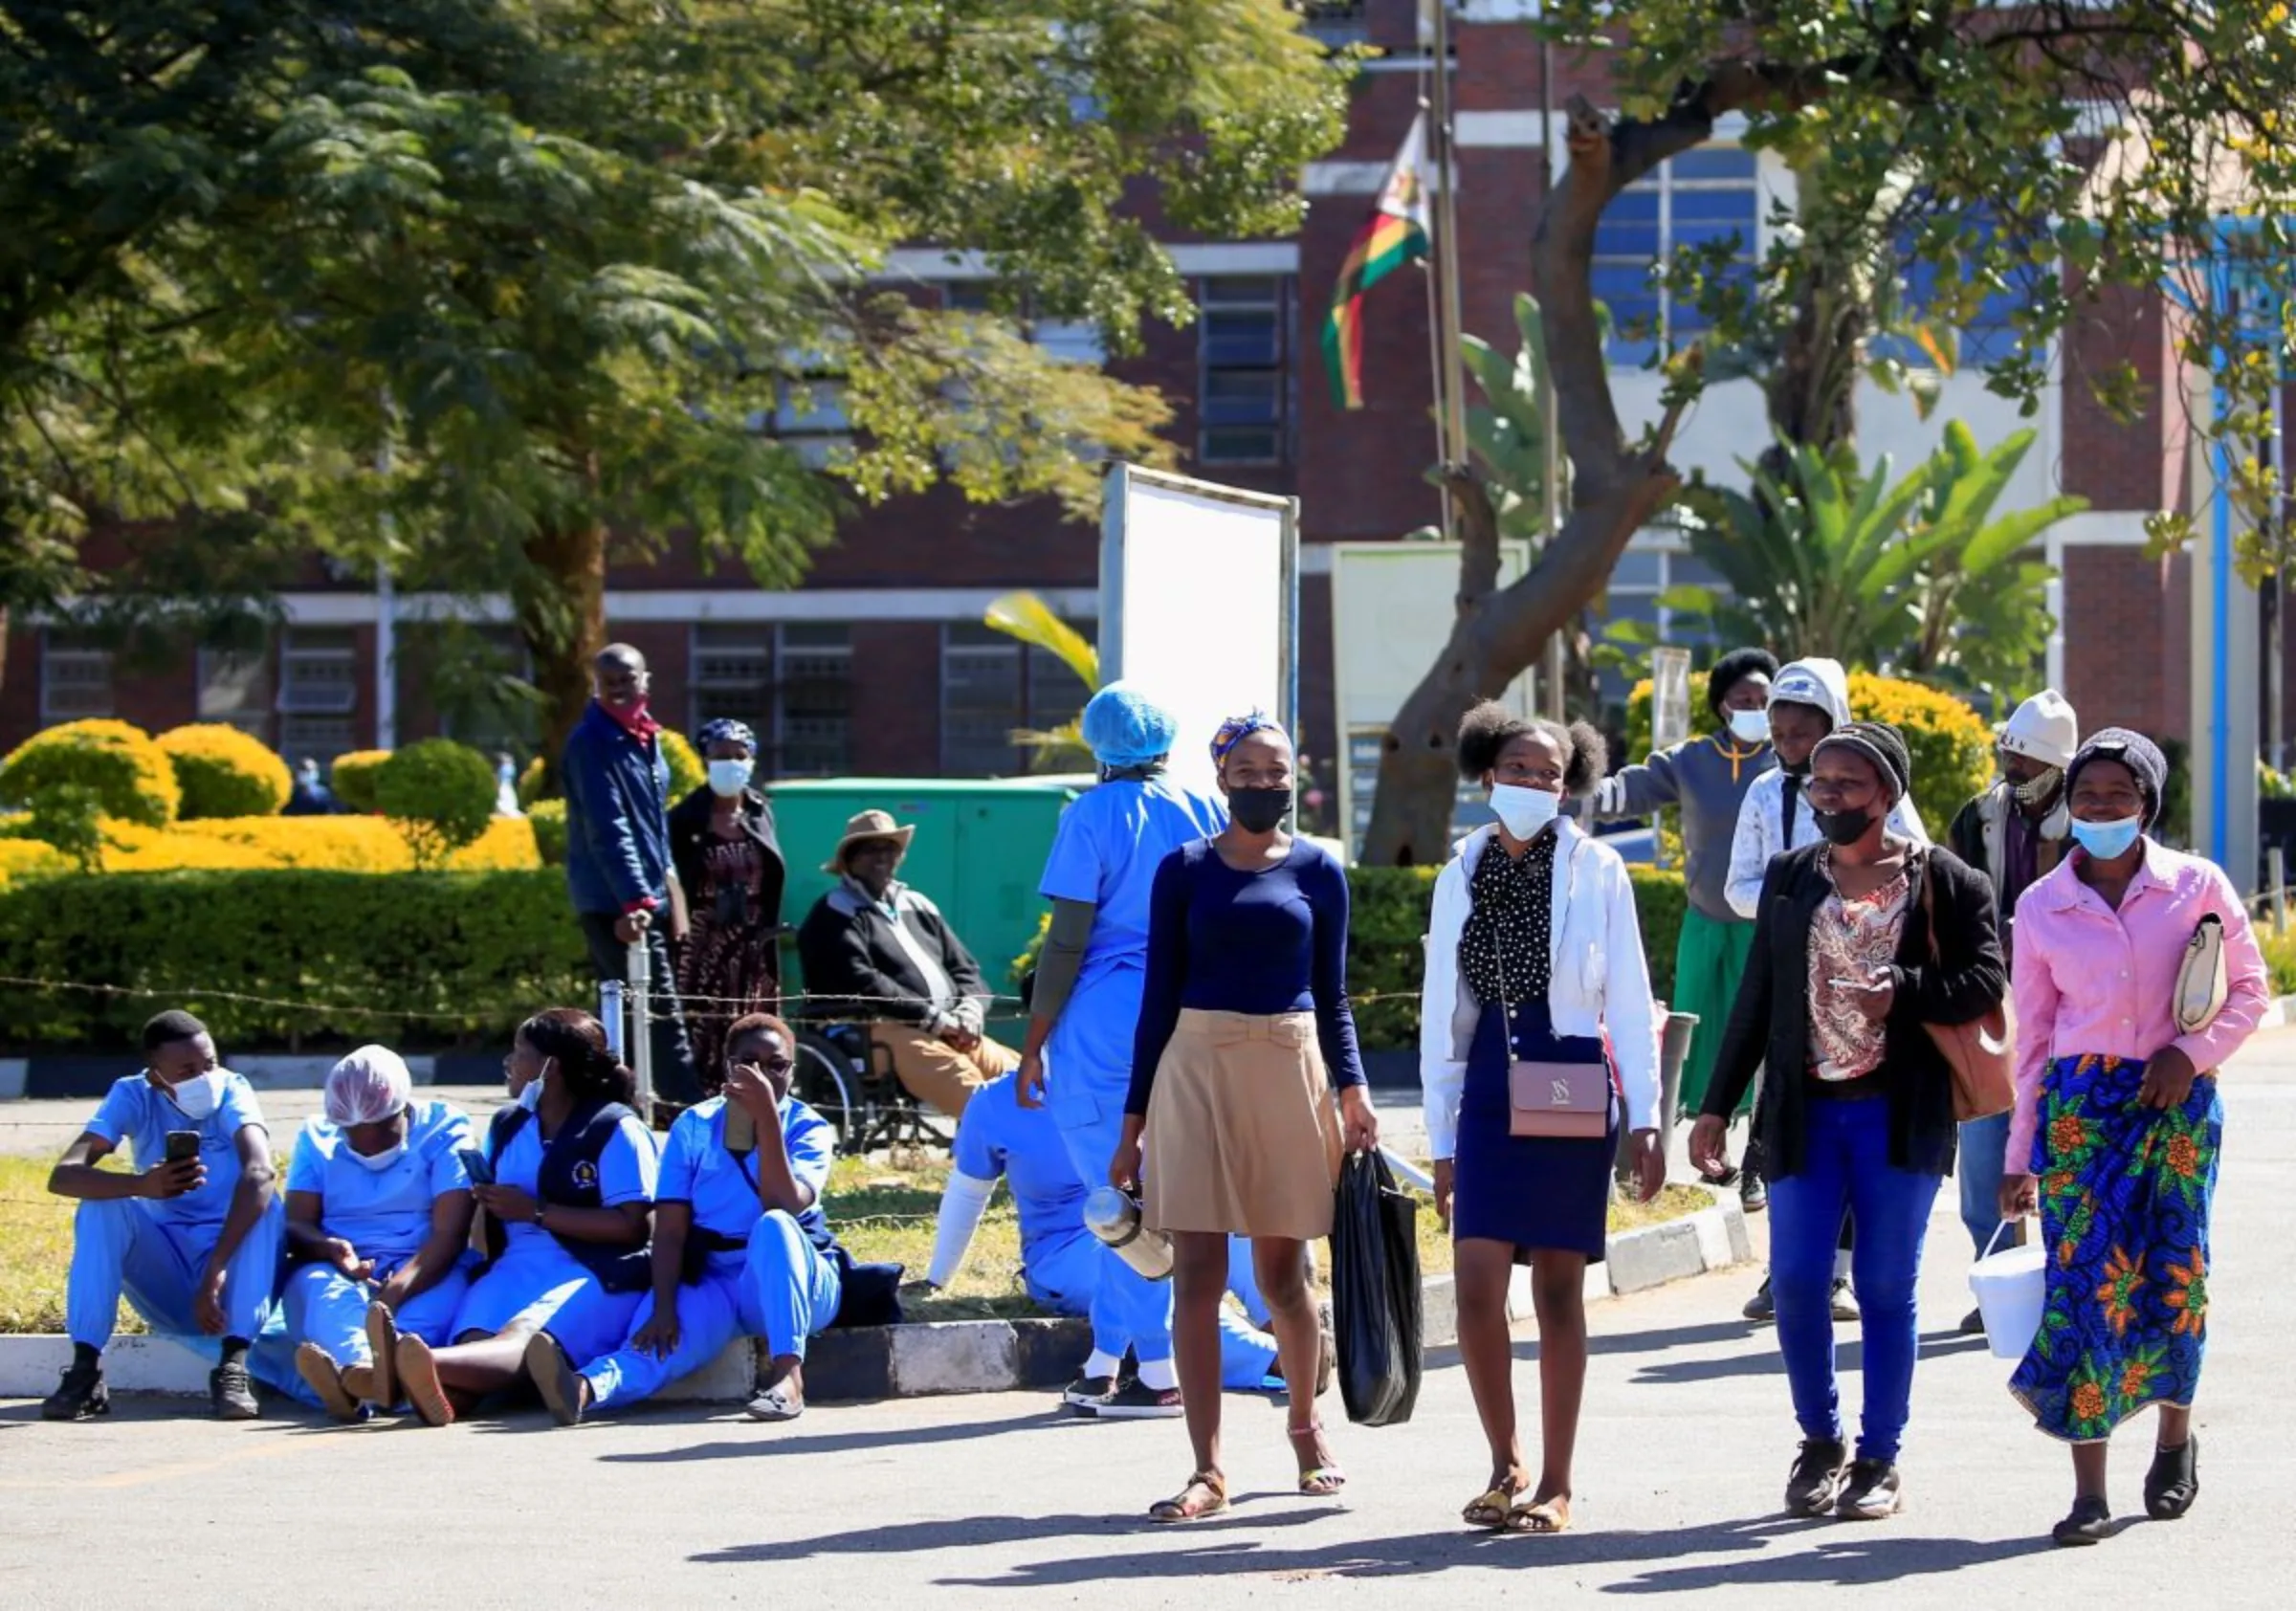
[
  {"x": 324, "y": 1306},
  {"x": 1984, "y": 1144},
  {"x": 784, "y": 1289},
  {"x": 1061, "y": 1278},
  {"x": 1846, "y": 1164},
  {"x": 538, "y": 1286},
  {"x": 124, "y": 1248}
]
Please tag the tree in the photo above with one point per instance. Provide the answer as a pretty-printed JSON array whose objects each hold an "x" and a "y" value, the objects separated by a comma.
[{"x": 1903, "y": 125}]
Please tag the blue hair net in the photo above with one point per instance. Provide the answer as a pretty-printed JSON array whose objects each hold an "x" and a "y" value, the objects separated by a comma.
[{"x": 1124, "y": 728}]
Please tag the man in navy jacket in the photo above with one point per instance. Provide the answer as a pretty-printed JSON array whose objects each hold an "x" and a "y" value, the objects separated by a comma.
[{"x": 617, "y": 783}]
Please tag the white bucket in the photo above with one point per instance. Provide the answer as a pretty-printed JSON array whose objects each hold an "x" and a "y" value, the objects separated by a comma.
[{"x": 2012, "y": 1290}]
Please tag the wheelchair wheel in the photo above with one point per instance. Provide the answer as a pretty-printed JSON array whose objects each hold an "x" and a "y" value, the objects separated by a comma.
[{"x": 825, "y": 1083}]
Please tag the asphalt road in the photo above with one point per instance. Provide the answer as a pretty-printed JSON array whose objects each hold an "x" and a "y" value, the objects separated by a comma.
[{"x": 954, "y": 1501}]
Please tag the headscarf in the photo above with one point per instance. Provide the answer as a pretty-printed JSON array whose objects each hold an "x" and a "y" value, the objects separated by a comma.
[
  {"x": 1881, "y": 744},
  {"x": 1237, "y": 728},
  {"x": 1124, "y": 728},
  {"x": 726, "y": 730},
  {"x": 369, "y": 1086},
  {"x": 2132, "y": 750}
]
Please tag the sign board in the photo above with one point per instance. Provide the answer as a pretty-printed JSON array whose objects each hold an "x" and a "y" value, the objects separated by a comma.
[
  {"x": 1393, "y": 604},
  {"x": 1199, "y": 604},
  {"x": 1669, "y": 698}
]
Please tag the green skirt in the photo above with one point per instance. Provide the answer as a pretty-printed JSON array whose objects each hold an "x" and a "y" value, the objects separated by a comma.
[{"x": 1709, "y": 961}]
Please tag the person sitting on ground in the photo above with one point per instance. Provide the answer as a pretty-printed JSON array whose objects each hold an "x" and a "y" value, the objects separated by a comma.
[
  {"x": 873, "y": 947},
  {"x": 740, "y": 1245},
  {"x": 569, "y": 1205},
  {"x": 1061, "y": 1261},
  {"x": 192, "y": 1239},
  {"x": 379, "y": 1213}
]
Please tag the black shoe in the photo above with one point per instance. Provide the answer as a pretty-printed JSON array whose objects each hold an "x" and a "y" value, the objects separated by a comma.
[
  {"x": 1872, "y": 1492},
  {"x": 1814, "y": 1487},
  {"x": 2089, "y": 1523},
  {"x": 564, "y": 1394},
  {"x": 1752, "y": 1195},
  {"x": 1135, "y": 1401},
  {"x": 1845, "y": 1302},
  {"x": 1973, "y": 1324},
  {"x": 1761, "y": 1309},
  {"x": 1088, "y": 1393},
  {"x": 2174, "y": 1483},
  {"x": 230, "y": 1393},
  {"x": 81, "y": 1395}
]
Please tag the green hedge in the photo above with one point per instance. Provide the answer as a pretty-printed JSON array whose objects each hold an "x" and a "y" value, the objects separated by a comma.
[{"x": 430, "y": 957}]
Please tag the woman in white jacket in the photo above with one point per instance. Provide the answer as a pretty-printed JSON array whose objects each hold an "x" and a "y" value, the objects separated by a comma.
[{"x": 1534, "y": 960}]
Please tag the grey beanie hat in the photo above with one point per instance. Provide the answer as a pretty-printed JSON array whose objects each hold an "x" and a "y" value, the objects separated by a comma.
[
  {"x": 2132, "y": 750},
  {"x": 1879, "y": 743}
]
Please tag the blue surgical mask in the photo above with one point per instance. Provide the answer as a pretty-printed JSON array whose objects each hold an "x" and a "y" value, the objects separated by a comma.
[
  {"x": 2107, "y": 841},
  {"x": 729, "y": 778}
]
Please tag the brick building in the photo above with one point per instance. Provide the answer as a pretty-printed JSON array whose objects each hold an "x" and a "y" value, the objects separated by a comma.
[{"x": 878, "y": 663}]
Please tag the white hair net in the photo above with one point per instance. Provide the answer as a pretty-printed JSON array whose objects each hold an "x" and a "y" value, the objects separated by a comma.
[{"x": 369, "y": 1087}]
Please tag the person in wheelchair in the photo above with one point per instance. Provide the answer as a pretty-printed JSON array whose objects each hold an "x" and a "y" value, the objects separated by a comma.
[{"x": 875, "y": 948}]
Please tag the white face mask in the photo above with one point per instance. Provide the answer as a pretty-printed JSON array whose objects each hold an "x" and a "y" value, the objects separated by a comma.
[
  {"x": 1524, "y": 811},
  {"x": 1750, "y": 727},
  {"x": 378, "y": 1162},
  {"x": 729, "y": 778},
  {"x": 199, "y": 1097}
]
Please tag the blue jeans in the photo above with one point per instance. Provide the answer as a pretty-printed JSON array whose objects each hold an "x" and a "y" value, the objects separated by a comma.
[
  {"x": 1846, "y": 1164},
  {"x": 1983, "y": 1143}
]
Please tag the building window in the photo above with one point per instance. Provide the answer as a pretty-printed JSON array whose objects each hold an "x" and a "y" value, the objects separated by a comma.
[
  {"x": 234, "y": 688},
  {"x": 791, "y": 684},
  {"x": 1064, "y": 341},
  {"x": 319, "y": 692},
  {"x": 808, "y": 414},
  {"x": 1702, "y": 199},
  {"x": 992, "y": 688},
  {"x": 1990, "y": 334},
  {"x": 1336, "y": 22},
  {"x": 75, "y": 678},
  {"x": 1245, "y": 384},
  {"x": 1654, "y": 565}
]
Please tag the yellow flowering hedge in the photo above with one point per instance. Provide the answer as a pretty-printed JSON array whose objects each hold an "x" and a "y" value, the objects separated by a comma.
[
  {"x": 224, "y": 772},
  {"x": 21, "y": 857},
  {"x": 687, "y": 773},
  {"x": 128, "y": 774},
  {"x": 321, "y": 844}
]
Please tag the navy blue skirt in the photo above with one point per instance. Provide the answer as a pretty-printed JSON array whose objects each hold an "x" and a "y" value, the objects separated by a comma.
[{"x": 1534, "y": 1192}]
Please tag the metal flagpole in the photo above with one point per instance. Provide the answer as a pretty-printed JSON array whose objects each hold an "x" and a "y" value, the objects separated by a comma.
[
  {"x": 1445, "y": 246},
  {"x": 1551, "y": 487}
]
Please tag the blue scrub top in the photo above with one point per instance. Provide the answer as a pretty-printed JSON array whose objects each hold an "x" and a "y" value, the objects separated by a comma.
[
  {"x": 383, "y": 1213},
  {"x": 134, "y": 1112},
  {"x": 697, "y": 1168},
  {"x": 1110, "y": 843},
  {"x": 627, "y": 1171},
  {"x": 998, "y": 1137}
]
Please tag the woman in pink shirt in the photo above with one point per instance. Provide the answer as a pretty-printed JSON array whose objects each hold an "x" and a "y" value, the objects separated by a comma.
[{"x": 2118, "y": 1126}]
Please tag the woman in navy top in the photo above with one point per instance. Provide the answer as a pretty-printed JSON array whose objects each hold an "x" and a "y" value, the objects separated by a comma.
[{"x": 1245, "y": 1031}]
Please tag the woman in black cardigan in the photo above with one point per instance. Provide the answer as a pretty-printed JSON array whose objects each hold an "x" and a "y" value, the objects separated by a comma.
[
  {"x": 729, "y": 864},
  {"x": 1857, "y": 1110}
]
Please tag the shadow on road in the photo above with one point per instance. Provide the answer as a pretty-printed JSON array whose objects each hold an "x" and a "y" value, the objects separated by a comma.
[{"x": 770, "y": 1441}]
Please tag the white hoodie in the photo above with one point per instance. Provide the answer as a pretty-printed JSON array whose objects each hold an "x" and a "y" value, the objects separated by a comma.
[
  {"x": 1600, "y": 982},
  {"x": 1761, "y": 816}
]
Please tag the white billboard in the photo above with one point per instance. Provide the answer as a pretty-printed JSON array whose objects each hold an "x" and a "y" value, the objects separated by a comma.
[{"x": 1199, "y": 604}]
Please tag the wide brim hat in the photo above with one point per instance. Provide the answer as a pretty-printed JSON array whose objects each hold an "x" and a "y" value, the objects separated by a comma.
[{"x": 864, "y": 827}]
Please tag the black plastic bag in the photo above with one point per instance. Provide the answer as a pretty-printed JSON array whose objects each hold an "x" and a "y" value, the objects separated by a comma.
[{"x": 1375, "y": 1292}]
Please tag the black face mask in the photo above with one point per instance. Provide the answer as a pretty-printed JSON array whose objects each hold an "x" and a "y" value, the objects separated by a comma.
[
  {"x": 1259, "y": 811},
  {"x": 1843, "y": 828}
]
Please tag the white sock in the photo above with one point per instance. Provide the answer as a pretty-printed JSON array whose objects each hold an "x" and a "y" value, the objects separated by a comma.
[
  {"x": 1101, "y": 1364},
  {"x": 1159, "y": 1374}
]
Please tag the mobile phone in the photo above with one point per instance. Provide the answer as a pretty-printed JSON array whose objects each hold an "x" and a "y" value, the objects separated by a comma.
[
  {"x": 475, "y": 1164},
  {"x": 740, "y": 1129},
  {"x": 181, "y": 1144}
]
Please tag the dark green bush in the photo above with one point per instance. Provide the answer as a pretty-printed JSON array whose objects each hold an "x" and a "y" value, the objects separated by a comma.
[
  {"x": 439, "y": 795},
  {"x": 548, "y": 818}
]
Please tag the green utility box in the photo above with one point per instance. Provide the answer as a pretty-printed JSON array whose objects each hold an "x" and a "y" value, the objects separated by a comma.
[{"x": 979, "y": 853}]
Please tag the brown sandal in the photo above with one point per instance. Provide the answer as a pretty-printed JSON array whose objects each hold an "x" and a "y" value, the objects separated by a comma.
[
  {"x": 1204, "y": 1494},
  {"x": 1547, "y": 1516}
]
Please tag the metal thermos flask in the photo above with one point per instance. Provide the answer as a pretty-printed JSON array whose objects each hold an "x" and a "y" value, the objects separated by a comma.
[{"x": 1114, "y": 1218}]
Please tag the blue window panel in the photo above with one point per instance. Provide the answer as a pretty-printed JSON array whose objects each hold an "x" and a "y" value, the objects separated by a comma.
[
  {"x": 1242, "y": 338},
  {"x": 1639, "y": 204},
  {"x": 1713, "y": 162},
  {"x": 1636, "y": 568},
  {"x": 1698, "y": 206},
  {"x": 1241, "y": 397}
]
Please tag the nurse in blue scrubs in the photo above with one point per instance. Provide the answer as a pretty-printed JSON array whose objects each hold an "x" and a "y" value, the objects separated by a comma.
[
  {"x": 378, "y": 1215},
  {"x": 192, "y": 1244},
  {"x": 1087, "y": 1006},
  {"x": 570, "y": 1205},
  {"x": 1061, "y": 1260},
  {"x": 740, "y": 1245}
]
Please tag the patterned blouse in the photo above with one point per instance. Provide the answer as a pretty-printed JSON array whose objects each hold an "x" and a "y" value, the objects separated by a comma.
[
  {"x": 1850, "y": 940},
  {"x": 1507, "y": 953}
]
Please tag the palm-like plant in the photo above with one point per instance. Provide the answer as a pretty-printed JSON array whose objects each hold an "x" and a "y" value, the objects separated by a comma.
[{"x": 1035, "y": 624}]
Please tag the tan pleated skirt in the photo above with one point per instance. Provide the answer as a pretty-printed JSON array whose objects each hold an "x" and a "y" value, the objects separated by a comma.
[{"x": 1241, "y": 1136}]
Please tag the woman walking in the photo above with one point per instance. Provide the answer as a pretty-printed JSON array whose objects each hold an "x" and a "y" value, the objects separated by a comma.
[
  {"x": 1535, "y": 957},
  {"x": 1862, "y": 940},
  {"x": 2118, "y": 1124},
  {"x": 729, "y": 863},
  {"x": 1244, "y": 1031}
]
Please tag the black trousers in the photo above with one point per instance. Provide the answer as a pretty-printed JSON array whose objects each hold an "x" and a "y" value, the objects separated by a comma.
[{"x": 675, "y": 1079}]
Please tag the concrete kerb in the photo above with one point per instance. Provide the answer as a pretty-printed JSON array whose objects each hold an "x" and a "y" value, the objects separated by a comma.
[{"x": 951, "y": 1355}]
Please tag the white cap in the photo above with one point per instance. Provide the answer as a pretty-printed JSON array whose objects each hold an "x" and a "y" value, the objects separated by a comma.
[
  {"x": 2043, "y": 729},
  {"x": 1820, "y": 683},
  {"x": 369, "y": 1087}
]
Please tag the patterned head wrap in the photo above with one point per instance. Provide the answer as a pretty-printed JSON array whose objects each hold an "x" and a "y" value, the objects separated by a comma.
[
  {"x": 730, "y": 731},
  {"x": 1237, "y": 728}
]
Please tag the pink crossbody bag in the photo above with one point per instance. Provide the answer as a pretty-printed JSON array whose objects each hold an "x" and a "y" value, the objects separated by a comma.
[{"x": 1570, "y": 1101}]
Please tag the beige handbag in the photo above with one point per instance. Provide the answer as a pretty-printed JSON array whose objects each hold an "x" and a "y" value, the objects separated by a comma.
[
  {"x": 2202, "y": 985},
  {"x": 1980, "y": 1054}
]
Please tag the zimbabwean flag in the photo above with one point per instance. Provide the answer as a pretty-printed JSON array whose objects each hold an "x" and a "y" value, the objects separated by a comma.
[{"x": 1399, "y": 232}]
